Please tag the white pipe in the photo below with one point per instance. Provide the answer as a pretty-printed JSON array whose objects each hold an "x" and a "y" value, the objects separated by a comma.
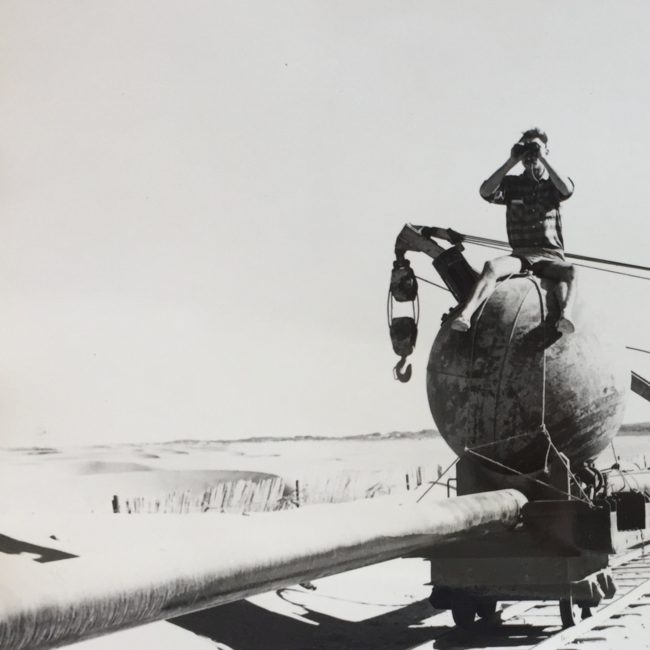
[{"x": 134, "y": 569}]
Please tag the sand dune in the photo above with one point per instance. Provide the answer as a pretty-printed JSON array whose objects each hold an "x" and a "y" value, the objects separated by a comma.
[
  {"x": 308, "y": 470},
  {"x": 191, "y": 475}
]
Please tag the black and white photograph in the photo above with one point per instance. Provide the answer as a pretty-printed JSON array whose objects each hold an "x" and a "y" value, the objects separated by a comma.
[{"x": 324, "y": 325}]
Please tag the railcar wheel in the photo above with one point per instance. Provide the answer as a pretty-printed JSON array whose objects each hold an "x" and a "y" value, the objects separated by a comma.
[
  {"x": 568, "y": 612},
  {"x": 463, "y": 611},
  {"x": 572, "y": 613}
]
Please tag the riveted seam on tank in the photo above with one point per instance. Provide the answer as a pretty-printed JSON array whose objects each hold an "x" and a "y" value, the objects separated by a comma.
[
  {"x": 537, "y": 284},
  {"x": 503, "y": 363},
  {"x": 473, "y": 407}
]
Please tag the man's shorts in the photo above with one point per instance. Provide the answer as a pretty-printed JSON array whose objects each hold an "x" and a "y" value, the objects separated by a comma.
[{"x": 531, "y": 257}]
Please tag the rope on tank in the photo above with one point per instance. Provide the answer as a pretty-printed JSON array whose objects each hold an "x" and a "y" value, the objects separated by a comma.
[
  {"x": 525, "y": 476},
  {"x": 472, "y": 450},
  {"x": 508, "y": 439},
  {"x": 566, "y": 464},
  {"x": 542, "y": 427}
]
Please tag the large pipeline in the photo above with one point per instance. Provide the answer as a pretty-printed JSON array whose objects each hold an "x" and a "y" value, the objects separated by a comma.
[
  {"x": 638, "y": 480},
  {"x": 131, "y": 570}
]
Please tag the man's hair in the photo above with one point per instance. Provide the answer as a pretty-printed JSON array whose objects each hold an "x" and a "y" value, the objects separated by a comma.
[{"x": 535, "y": 132}]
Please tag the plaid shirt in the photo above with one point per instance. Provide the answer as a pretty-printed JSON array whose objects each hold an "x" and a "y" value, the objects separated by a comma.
[{"x": 533, "y": 219}]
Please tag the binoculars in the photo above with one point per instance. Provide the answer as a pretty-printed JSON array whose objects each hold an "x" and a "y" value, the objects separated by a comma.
[{"x": 523, "y": 148}]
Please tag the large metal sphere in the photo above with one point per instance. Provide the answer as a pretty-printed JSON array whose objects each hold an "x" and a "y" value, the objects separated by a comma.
[{"x": 513, "y": 371}]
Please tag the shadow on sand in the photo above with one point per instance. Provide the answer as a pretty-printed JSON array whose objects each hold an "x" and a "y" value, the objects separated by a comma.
[
  {"x": 244, "y": 626},
  {"x": 14, "y": 546}
]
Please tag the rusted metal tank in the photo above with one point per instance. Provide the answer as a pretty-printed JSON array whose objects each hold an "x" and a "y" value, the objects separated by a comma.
[{"x": 491, "y": 389}]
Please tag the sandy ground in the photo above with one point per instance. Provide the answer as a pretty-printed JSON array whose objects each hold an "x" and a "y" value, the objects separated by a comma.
[{"x": 380, "y": 606}]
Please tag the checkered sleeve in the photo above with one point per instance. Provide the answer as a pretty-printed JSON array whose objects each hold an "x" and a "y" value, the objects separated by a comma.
[
  {"x": 561, "y": 197},
  {"x": 499, "y": 196}
]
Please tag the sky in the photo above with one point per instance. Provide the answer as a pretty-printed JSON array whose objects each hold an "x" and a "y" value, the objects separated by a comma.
[{"x": 200, "y": 199}]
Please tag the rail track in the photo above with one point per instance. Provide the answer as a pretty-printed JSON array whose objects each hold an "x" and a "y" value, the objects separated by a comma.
[
  {"x": 527, "y": 625},
  {"x": 622, "y": 623}
]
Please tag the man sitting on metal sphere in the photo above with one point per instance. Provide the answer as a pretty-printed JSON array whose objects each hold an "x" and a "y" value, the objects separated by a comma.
[{"x": 534, "y": 226}]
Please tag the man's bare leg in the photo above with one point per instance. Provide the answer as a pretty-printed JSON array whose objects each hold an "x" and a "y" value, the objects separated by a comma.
[
  {"x": 565, "y": 275},
  {"x": 485, "y": 285}
]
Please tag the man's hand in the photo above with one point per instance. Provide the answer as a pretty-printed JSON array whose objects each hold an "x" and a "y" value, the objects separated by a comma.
[
  {"x": 531, "y": 148},
  {"x": 517, "y": 152}
]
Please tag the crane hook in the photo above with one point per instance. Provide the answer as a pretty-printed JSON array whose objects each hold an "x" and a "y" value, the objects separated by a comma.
[{"x": 400, "y": 373}]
